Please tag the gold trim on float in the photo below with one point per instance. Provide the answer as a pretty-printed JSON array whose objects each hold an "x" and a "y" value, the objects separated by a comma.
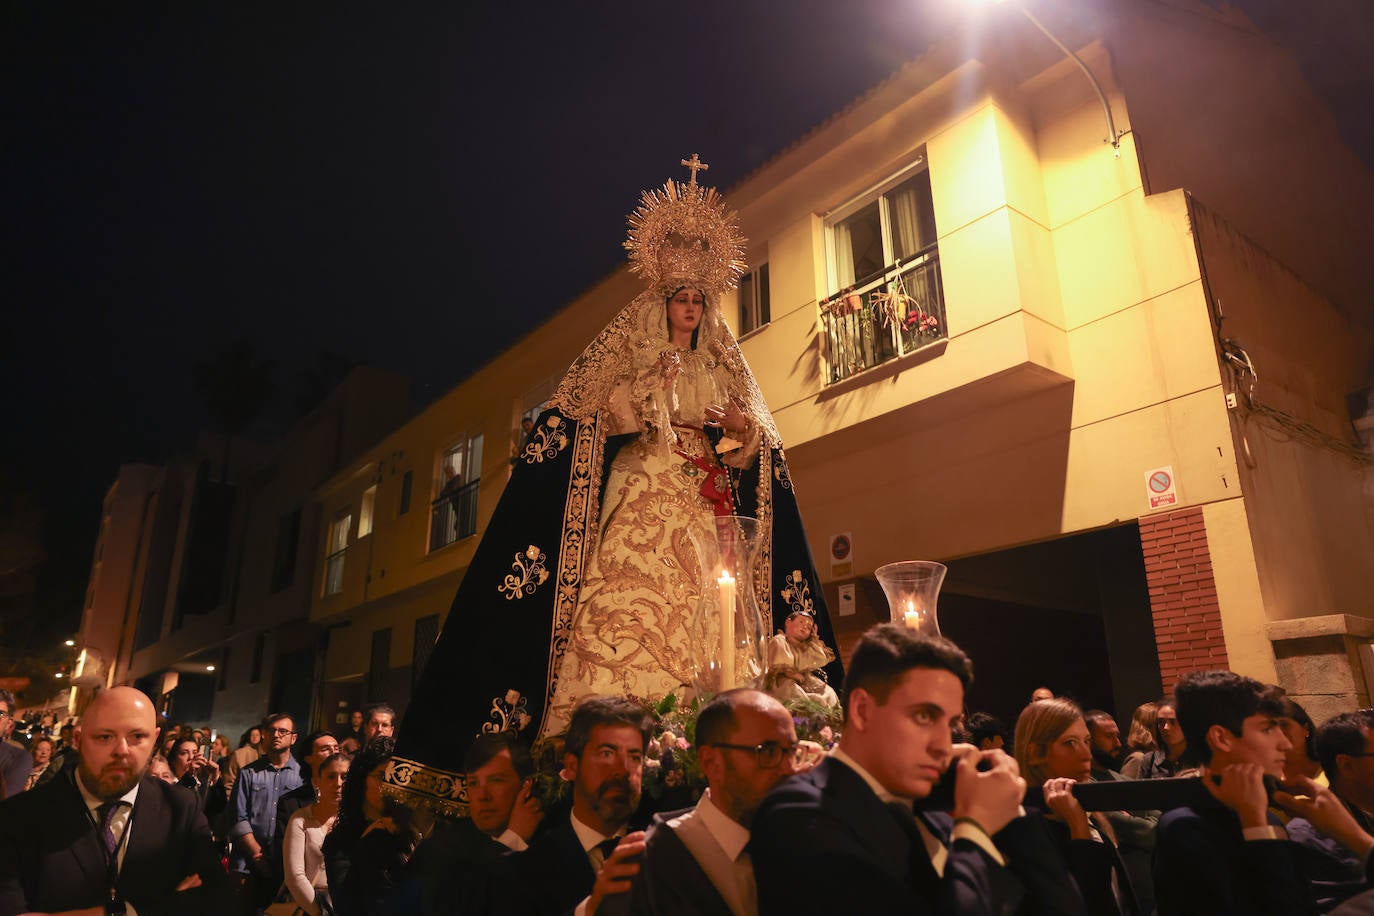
[{"x": 421, "y": 787}]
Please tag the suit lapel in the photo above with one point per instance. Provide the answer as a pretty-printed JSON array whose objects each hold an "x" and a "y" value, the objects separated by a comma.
[
  {"x": 874, "y": 823},
  {"x": 87, "y": 851},
  {"x": 148, "y": 830}
]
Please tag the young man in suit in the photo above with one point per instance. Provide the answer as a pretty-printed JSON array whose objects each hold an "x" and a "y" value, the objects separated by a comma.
[
  {"x": 851, "y": 835},
  {"x": 106, "y": 838}
]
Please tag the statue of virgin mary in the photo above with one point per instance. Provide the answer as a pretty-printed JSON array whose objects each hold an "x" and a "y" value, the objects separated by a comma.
[{"x": 587, "y": 575}]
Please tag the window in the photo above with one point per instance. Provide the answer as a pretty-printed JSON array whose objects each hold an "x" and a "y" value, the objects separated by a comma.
[
  {"x": 365, "y": 511},
  {"x": 407, "y": 482},
  {"x": 454, "y": 510},
  {"x": 426, "y": 632},
  {"x": 884, "y": 271},
  {"x": 336, "y": 551},
  {"x": 753, "y": 300},
  {"x": 284, "y": 558}
]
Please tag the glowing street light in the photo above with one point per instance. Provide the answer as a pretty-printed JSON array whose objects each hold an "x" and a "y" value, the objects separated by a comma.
[
  {"x": 1113, "y": 135},
  {"x": 71, "y": 643}
]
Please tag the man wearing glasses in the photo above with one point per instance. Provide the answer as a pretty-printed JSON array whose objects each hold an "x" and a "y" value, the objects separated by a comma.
[
  {"x": 695, "y": 861},
  {"x": 254, "y": 805},
  {"x": 15, "y": 762}
]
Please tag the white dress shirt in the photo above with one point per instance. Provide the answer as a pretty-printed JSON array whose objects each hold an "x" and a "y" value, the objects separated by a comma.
[{"x": 119, "y": 823}]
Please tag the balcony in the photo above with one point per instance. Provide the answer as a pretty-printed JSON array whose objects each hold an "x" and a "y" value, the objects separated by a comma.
[
  {"x": 453, "y": 516},
  {"x": 893, "y": 312}
]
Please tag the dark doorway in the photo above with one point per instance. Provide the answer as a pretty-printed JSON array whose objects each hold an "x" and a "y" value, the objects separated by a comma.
[{"x": 1071, "y": 614}]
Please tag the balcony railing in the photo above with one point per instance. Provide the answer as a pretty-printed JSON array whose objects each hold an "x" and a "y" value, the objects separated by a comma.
[
  {"x": 453, "y": 515},
  {"x": 886, "y": 315}
]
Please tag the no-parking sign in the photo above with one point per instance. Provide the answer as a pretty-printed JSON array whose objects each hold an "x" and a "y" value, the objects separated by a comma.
[{"x": 1161, "y": 487}]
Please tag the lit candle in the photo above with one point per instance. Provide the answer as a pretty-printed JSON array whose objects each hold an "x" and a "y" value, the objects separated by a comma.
[
  {"x": 911, "y": 618},
  {"x": 727, "y": 629}
]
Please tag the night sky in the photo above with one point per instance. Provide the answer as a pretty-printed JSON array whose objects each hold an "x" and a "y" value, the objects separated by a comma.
[{"x": 375, "y": 183}]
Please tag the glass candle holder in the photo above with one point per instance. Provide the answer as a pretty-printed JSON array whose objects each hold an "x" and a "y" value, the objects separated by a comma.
[
  {"x": 912, "y": 588},
  {"x": 727, "y": 628}
]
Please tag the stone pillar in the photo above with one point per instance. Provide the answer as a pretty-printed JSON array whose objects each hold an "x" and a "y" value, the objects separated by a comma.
[
  {"x": 1183, "y": 594},
  {"x": 1325, "y": 662}
]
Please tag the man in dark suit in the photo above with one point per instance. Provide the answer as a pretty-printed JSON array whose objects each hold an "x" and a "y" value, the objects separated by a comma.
[
  {"x": 844, "y": 837},
  {"x": 695, "y": 862},
  {"x": 107, "y": 835},
  {"x": 604, "y": 759},
  {"x": 1237, "y": 858},
  {"x": 15, "y": 762}
]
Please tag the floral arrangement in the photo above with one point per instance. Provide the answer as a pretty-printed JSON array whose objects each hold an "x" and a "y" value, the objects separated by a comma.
[
  {"x": 671, "y": 761},
  {"x": 922, "y": 324}
]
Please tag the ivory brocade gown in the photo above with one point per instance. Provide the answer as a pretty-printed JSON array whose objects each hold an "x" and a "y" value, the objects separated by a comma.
[{"x": 641, "y": 585}]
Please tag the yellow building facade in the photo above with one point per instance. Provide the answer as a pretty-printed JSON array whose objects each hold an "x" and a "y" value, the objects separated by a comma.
[{"x": 1076, "y": 432}]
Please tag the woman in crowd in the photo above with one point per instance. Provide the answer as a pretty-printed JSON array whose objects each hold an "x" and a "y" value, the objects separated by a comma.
[
  {"x": 43, "y": 770},
  {"x": 1054, "y": 751},
  {"x": 219, "y": 750},
  {"x": 302, "y": 850},
  {"x": 159, "y": 768},
  {"x": 1140, "y": 739},
  {"x": 358, "y": 891},
  {"x": 1301, "y": 734},
  {"x": 1170, "y": 756}
]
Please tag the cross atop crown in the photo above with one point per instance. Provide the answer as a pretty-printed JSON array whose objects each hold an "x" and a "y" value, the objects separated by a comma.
[{"x": 694, "y": 164}]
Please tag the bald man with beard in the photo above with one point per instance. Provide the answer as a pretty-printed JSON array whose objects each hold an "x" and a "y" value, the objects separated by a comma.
[{"x": 107, "y": 838}]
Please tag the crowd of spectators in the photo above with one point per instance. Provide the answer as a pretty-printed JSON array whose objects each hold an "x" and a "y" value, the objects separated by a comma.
[{"x": 1266, "y": 812}]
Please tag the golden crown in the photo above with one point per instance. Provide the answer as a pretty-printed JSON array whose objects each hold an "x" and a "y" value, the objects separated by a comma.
[{"x": 682, "y": 236}]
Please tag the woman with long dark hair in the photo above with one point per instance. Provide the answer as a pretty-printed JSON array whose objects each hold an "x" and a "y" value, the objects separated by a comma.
[{"x": 355, "y": 892}]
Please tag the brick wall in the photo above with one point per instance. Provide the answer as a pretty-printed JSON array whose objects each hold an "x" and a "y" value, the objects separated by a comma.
[{"x": 1183, "y": 594}]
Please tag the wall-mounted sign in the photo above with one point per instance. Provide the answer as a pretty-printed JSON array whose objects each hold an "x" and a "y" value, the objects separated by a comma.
[
  {"x": 1160, "y": 488},
  {"x": 841, "y": 559},
  {"x": 847, "y": 608}
]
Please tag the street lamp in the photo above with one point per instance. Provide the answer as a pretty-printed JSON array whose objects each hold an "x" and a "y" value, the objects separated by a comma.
[{"x": 1113, "y": 135}]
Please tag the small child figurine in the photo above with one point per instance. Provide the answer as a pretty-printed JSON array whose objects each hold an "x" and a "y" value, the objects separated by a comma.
[{"x": 794, "y": 655}]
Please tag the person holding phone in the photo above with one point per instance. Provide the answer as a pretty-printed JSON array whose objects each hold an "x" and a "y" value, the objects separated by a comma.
[
  {"x": 192, "y": 769},
  {"x": 858, "y": 833}
]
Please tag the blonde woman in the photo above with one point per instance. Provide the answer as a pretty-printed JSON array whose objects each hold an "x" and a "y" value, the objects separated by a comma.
[
  {"x": 1140, "y": 740},
  {"x": 1054, "y": 751}
]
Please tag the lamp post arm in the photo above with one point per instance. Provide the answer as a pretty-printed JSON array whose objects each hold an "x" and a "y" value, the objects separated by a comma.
[{"x": 1112, "y": 136}]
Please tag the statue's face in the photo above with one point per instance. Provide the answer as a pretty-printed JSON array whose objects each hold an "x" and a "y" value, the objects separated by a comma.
[
  {"x": 685, "y": 310},
  {"x": 799, "y": 627}
]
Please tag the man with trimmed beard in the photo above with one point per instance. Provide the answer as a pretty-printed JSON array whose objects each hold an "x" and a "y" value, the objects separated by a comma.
[
  {"x": 106, "y": 837},
  {"x": 604, "y": 760}
]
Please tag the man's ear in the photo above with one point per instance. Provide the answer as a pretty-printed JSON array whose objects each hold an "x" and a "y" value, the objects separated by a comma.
[
  {"x": 569, "y": 772},
  {"x": 1219, "y": 738},
  {"x": 709, "y": 759},
  {"x": 76, "y": 737},
  {"x": 861, "y": 704}
]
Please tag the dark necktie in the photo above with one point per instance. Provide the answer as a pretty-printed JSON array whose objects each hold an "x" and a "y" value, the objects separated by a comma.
[
  {"x": 606, "y": 847},
  {"x": 107, "y": 813}
]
